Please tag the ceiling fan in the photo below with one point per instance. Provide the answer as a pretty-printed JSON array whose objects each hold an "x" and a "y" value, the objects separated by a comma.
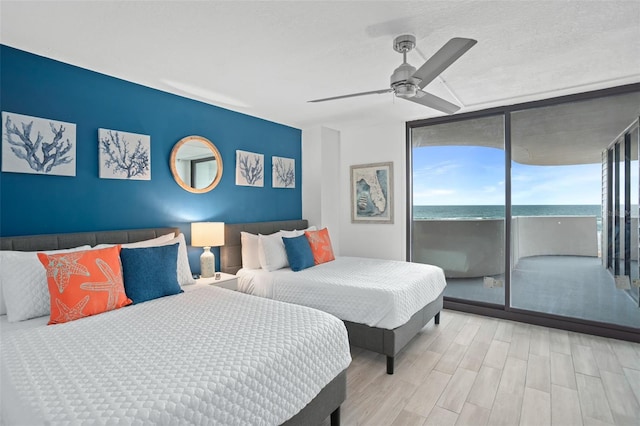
[{"x": 407, "y": 82}]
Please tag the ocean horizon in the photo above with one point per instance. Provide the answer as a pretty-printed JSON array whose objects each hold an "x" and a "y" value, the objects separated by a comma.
[{"x": 495, "y": 212}]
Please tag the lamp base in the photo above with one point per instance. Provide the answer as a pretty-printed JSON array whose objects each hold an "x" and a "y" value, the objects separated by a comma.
[{"x": 207, "y": 263}]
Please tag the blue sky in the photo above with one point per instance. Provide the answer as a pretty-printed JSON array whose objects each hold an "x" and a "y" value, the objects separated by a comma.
[{"x": 472, "y": 175}]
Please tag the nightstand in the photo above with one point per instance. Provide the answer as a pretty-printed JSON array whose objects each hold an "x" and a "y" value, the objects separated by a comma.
[{"x": 226, "y": 281}]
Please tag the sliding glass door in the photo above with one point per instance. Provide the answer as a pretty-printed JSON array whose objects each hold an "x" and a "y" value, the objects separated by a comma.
[
  {"x": 533, "y": 209},
  {"x": 556, "y": 194},
  {"x": 459, "y": 206}
]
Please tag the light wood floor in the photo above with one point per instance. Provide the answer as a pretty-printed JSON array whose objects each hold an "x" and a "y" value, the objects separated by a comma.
[{"x": 474, "y": 370}]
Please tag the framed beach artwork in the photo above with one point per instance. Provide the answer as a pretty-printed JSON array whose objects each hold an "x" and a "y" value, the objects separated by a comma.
[
  {"x": 124, "y": 155},
  {"x": 249, "y": 169},
  {"x": 38, "y": 145},
  {"x": 284, "y": 172},
  {"x": 372, "y": 193}
]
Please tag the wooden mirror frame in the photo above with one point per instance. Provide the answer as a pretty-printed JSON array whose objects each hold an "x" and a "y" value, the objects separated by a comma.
[{"x": 174, "y": 171}]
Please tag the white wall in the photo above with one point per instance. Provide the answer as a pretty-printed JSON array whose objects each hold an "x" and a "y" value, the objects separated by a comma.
[
  {"x": 327, "y": 155},
  {"x": 321, "y": 180},
  {"x": 373, "y": 144},
  {"x": 311, "y": 175},
  {"x": 554, "y": 236}
]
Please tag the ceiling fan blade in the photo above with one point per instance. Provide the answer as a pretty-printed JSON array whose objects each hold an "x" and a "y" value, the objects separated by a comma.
[
  {"x": 442, "y": 59},
  {"x": 375, "y": 92},
  {"x": 432, "y": 101}
]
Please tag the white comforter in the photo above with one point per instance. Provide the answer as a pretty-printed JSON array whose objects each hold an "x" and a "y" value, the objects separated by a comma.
[
  {"x": 379, "y": 293},
  {"x": 210, "y": 356}
]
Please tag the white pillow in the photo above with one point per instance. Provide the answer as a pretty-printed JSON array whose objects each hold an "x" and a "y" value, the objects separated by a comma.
[
  {"x": 3, "y": 306},
  {"x": 154, "y": 242},
  {"x": 184, "y": 269},
  {"x": 185, "y": 277},
  {"x": 271, "y": 252},
  {"x": 290, "y": 234},
  {"x": 296, "y": 232},
  {"x": 24, "y": 283},
  {"x": 250, "y": 252}
]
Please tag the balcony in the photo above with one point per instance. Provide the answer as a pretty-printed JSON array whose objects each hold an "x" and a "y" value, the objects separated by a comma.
[{"x": 556, "y": 266}]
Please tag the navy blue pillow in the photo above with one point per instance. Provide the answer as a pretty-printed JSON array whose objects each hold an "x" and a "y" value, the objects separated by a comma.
[
  {"x": 298, "y": 252},
  {"x": 151, "y": 272}
]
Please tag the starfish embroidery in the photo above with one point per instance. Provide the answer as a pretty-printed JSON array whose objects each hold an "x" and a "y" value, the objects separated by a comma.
[
  {"x": 322, "y": 249},
  {"x": 113, "y": 284},
  {"x": 70, "y": 314},
  {"x": 61, "y": 267}
]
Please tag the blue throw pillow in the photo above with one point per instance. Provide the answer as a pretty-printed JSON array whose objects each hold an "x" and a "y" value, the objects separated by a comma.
[
  {"x": 298, "y": 252},
  {"x": 151, "y": 272}
]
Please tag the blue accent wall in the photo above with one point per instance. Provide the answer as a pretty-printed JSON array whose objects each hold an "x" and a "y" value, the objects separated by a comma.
[{"x": 40, "y": 204}]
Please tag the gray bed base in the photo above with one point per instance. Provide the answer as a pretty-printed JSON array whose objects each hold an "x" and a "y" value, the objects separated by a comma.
[
  {"x": 380, "y": 340},
  {"x": 391, "y": 342},
  {"x": 326, "y": 403}
]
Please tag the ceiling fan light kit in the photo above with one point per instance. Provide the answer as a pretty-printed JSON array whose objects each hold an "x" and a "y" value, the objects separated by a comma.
[
  {"x": 405, "y": 90},
  {"x": 407, "y": 82}
]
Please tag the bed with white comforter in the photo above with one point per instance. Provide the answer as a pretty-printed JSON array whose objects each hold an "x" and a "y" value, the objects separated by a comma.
[
  {"x": 207, "y": 356},
  {"x": 383, "y": 303},
  {"x": 375, "y": 292}
]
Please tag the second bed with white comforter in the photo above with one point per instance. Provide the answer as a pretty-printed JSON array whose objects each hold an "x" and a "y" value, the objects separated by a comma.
[{"x": 378, "y": 293}]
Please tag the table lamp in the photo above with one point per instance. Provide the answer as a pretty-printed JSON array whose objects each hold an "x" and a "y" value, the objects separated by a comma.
[{"x": 207, "y": 235}]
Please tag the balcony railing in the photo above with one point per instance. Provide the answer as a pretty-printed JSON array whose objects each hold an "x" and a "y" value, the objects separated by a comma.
[{"x": 468, "y": 248}]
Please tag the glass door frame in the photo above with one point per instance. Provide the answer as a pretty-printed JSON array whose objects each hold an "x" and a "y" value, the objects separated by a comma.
[
  {"x": 622, "y": 143},
  {"x": 507, "y": 311}
]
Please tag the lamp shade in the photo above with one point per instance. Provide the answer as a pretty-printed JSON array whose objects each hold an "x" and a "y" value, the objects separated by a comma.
[{"x": 207, "y": 234}]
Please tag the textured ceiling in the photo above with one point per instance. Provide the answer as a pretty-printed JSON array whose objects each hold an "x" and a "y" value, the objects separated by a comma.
[{"x": 268, "y": 58}]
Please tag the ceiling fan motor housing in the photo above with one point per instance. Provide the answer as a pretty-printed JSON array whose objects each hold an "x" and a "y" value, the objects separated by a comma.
[{"x": 401, "y": 81}]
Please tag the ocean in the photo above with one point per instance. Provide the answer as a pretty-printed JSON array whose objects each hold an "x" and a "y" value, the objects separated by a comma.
[{"x": 494, "y": 212}]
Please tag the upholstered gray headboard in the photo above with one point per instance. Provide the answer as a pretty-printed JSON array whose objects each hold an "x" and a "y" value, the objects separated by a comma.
[
  {"x": 64, "y": 241},
  {"x": 231, "y": 252}
]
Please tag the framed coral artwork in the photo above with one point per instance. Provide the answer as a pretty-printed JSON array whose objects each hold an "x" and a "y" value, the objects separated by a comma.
[
  {"x": 372, "y": 193},
  {"x": 124, "y": 155},
  {"x": 249, "y": 169},
  {"x": 283, "y": 172},
  {"x": 38, "y": 145}
]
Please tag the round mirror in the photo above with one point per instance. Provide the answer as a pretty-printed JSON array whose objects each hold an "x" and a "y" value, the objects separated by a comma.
[{"x": 196, "y": 164}]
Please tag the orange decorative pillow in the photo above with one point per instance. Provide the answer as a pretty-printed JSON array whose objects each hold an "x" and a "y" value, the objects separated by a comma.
[
  {"x": 320, "y": 245},
  {"x": 84, "y": 283}
]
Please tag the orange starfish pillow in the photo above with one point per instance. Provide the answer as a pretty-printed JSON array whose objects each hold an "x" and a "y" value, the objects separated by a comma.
[
  {"x": 320, "y": 245},
  {"x": 84, "y": 283}
]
